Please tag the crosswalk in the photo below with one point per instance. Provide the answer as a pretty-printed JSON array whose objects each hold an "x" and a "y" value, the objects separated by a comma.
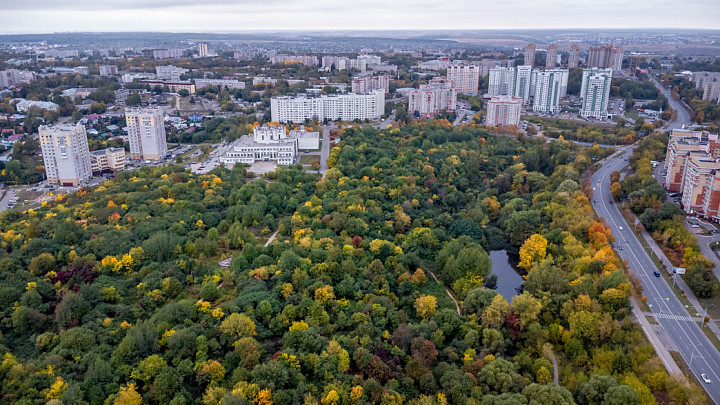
[{"x": 675, "y": 317}]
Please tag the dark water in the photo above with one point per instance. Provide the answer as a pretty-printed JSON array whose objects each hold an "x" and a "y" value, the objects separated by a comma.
[{"x": 508, "y": 279}]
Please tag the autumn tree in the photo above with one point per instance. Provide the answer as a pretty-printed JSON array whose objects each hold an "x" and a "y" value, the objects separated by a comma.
[{"x": 532, "y": 251}]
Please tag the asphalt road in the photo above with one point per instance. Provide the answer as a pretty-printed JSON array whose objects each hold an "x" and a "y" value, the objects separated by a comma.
[
  {"x": 696, "y": 349},
  {"x": 683, "y": 117}
]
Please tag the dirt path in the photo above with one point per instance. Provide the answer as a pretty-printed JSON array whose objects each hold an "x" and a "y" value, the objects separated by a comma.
[
  {"x": 555, "y": 369},
  {"x": 272, "y": 238},
  {"x": 457, "y": 307}
]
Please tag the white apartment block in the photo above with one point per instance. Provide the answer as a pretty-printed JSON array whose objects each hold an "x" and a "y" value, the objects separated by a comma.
[
  {"x": 146, "y": 133},
  {"x": 709, "y": 82},
  {"x": 547, "y": 91},
  {"x": 498, "y": 80},
  {"x": 112, "y": 159},
  {"x": 304, "y": 59},
  {"x": 65, "y": 154},
  {"x": 503, "y": 111},
  {"x": 519, "y": 82},
  {"x": 370, "y": 59},
  {"x": 433, "y": 98},
  {"x": 222, "y": 83},
  {"x": 108, "y": 70},
  {"x": 595, "y": 92},
  {"x": 366, "y": 84},
  {"x": 170, "y": 72},
  {"x": 15, "y": 78},
  {"x": 82, "y": 70},
  {"x": 168, "y": 53},
  {"x": 203, "y": 50},
  {"x": 346, "y": 107},
  {"x": 271, "y": 143},
  {"x": 465, "y": 77}
]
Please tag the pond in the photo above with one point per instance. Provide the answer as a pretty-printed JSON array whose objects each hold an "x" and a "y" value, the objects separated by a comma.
[{"x": 509, "y": 281}]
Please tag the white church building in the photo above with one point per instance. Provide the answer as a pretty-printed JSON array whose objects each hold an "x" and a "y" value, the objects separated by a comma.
[{"x": 271, "y": 143}]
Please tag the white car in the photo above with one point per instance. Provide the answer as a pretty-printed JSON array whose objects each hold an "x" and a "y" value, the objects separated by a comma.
[
  {"x": 705, "y": 378},
  {"x": 620, "y": 228}
]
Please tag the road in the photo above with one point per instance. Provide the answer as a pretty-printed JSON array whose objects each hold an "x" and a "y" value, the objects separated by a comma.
[
  {"x": 694, "y": 346},
  {"x": 683, "y": 115},
  {"x": 325, "y": 148},
  {"x": 697, "y": 350}
]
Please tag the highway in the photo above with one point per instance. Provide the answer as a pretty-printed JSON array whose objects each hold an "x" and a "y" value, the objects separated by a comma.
[{"x": 696, "y": 349}]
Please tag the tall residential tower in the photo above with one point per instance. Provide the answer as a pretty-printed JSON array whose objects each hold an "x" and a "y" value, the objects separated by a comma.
[
  {"x": 65, "y": 154},
  {"x": 146, "y": 133}
]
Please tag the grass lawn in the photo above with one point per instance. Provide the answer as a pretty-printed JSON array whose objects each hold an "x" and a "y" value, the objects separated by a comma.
[{"x": 309, "y": 159}]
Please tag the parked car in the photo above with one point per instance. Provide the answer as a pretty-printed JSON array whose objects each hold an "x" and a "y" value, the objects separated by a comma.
[{"x": 656, "y": 273}]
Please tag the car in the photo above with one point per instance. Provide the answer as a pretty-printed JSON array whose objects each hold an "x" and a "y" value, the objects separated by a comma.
[
  {"x": 694, "y": 226},
  {"x": 620, "y": 228},
  {"x": 595, "y": 201},
  {"x": 656, "y": 273},
  {"x": 620, "y": 248},
  {"x": 610, "y": 201},
  {"x": 705, "y": 378}
]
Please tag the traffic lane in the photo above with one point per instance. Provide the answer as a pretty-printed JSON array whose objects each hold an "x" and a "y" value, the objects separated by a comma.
[{"x": 697, "y": 345}]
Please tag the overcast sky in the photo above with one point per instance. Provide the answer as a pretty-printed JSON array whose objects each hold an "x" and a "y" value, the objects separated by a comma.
[{"x": 42, "y": 16}]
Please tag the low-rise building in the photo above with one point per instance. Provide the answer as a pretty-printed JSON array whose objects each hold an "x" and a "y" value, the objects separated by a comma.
[
  {"x": 25, "y": 105},
  {"x": 110, "y": 159},
  {"x": 170, "y": 72},
  {"x": 222, "y": 83},
  {"x": 168, "y": 53},
  {"x": 270, "y": 143},
  {"x": 172, "y": 87},
  {"x": 82, "y": 70}
]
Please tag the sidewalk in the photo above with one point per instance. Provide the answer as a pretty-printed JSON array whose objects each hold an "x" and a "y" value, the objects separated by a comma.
[
  {"x": 698, "y": 309},
  {"x": 658, "y": 345}
]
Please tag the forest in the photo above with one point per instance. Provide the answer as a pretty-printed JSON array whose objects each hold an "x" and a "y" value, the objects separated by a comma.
[{"x": 114, "y": 294}]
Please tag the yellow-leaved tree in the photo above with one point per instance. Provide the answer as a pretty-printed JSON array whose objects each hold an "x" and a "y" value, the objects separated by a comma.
[
  {"x": 426, "y": 306},
  {"x": 532, "y": 251}
]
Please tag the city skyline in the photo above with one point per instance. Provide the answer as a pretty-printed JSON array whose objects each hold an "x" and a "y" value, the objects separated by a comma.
[{"x": 44, "y": 16}]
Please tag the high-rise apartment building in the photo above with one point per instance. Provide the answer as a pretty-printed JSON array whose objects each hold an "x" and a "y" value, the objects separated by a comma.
[
  {"x": 366, "y": 84},
  {"x": 515, "y": 81},
  {"x": 520, "y": 82},
  {"x": 465, "y": 77},
  {"x": 498, "y": 80},
  {"x": 682, "y": 144},
  {"x": 503, "y": 111},
  {"x": 551, "y": 56},
  {"x": 595, "y": 92},
  {"x": 203, "y": 50},
  {"x": 66, "y": 155},
  {"x": 574, "y": 56},
  {"x": 108, "y": 70},
  {"x": 530, "y": 55},
  {"x": 433, "y": 98},
  {"x": 146, "y": 133},
  {"x": 548, "y": 90},
  {"x": 346, "y": 107},
  {"x": 606, "y": 56}
]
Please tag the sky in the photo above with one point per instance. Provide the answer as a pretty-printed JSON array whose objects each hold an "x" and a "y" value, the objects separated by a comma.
[{"x": 44, "y": 16}]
